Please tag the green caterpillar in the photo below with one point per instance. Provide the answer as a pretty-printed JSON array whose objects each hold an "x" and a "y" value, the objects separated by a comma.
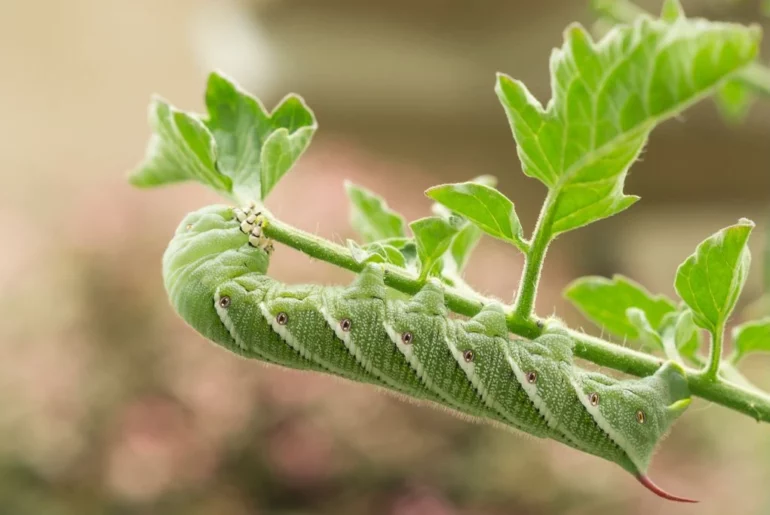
[{"x": 214, "y": 271}]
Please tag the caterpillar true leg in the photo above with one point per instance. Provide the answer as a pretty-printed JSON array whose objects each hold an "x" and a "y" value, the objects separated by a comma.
[{"x": 251, "y": 222}]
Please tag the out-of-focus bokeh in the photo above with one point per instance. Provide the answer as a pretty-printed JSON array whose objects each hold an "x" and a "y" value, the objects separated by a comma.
[{"x": 109, "y": 404}]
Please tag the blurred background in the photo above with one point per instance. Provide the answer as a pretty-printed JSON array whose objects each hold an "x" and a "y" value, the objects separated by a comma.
[{"x": 109, "y": 404}]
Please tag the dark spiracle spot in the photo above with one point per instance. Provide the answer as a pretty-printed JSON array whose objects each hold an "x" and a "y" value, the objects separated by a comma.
[
  {"x": 224, "y": 302},
  {"x": 345, "y": 324},
  {"x": 282, "y": 318},
  {"x": 641, "y": 417},
  {"x": 532, "y": 377},
  {"x": 594, "y": 399},
  {"x": 468, "y": 356},
  {"x": 407, "y": 338},
  {"x": 540, "y": 324}
]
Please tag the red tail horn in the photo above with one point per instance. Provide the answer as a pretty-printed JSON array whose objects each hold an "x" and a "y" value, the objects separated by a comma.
[{"x": 652, "y": 487}]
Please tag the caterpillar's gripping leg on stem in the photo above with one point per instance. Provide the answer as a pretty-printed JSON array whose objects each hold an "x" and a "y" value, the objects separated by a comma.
[{"x": 251, "y": 221}]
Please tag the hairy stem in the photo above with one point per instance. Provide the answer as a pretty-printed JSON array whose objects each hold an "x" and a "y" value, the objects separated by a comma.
[
  {"x": 533, "y": 263},
  {"x": 604, "y": 353},
  {"x": 395, "y": 277},
  {"x": 715, "y": 356},
  {"x": 755, "y": 76}
]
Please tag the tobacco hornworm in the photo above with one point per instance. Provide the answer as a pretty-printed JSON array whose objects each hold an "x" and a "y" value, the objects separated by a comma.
[{"x": 214, "y": 271}]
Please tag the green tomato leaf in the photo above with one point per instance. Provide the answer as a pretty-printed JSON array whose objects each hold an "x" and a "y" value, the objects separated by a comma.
[
  {"x": 607, "y": 97},
  {"x": 405, "y": 246},
  {"x": 433, "y": 236},
  {"x": 606, "y": 301},
  {"x": 256, "y": 148},
  {"x": 687, "y": 338},
  {"x": 647, "y": 335},
  {"x": 371, "y": 217},
  {"x": 671, "y": 11},
  {"x": 468, "y": 234},
  {"x": 441, "y": 210},
  {"x": 389, "y": 253},
  {"x": 463, "y": 244},
  {"x": 680, "y": 337},
  {"x": 376, "y": 253},
  {"x": 397, "y": 242},
  {"x": 711, "y": 279},
  {"x": 181, "y": 148},
  {"x": 751, "y": 337},
  {"x": 733, "y": 99},
  {"x": 483, "y": 206},
  {"x": 241, "y": 150},
  {"x": 409, "y": 251}
]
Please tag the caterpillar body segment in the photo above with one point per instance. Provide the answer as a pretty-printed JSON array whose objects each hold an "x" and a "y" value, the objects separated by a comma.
[
  {"x": 359, "y": 315},
  {"x": 621, "y": 408},
  {"x": 206, "y": 252},
  {"x": 421, "y": 331},
  {"x": 214, "y": 271},
  {"x": 550, "y": 358},
  {"x": 484, "y": 339}
]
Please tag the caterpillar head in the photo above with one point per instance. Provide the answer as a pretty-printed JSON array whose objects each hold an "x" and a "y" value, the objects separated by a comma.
[
  {"x": 208, "y": 249},
  {"x": 637, "y": 413}
]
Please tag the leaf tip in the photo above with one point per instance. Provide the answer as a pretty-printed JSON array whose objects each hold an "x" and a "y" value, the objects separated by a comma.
[
  {"x": 433, "y": 191},
  {"x": 298, "y": 101},
  {"x": 219, "y": 83},
  {"x": 157, "y": 105},
  {"x": 672, "y": 11},
  {"x": 576, "y": 33},
  {"x": 503, "y": 82},
  {"x": 514, "y": 95},
  {"x": 134, "y": 178},
  {"x": 629, "y": 200},
  {"x": 218, "y": 76}
]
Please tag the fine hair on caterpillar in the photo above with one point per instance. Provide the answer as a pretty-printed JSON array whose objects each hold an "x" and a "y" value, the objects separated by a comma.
[{"x": 215, "y": 273}]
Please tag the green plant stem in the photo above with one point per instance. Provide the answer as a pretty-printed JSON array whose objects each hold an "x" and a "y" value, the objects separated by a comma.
[
  {"x": 533, "y": 263},
  {"x": 753, "y": 403},
  {"x": 754, "y": 76},
  {"x": 749, "y": 402},
  {"x": 395, "y": 277},
  {"x": 715, "y": 356}
]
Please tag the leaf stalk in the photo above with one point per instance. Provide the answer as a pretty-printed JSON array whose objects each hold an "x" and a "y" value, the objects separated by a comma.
[
  {"x": 715, "y": 354},
  {"x": 533, "y": 262}
]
